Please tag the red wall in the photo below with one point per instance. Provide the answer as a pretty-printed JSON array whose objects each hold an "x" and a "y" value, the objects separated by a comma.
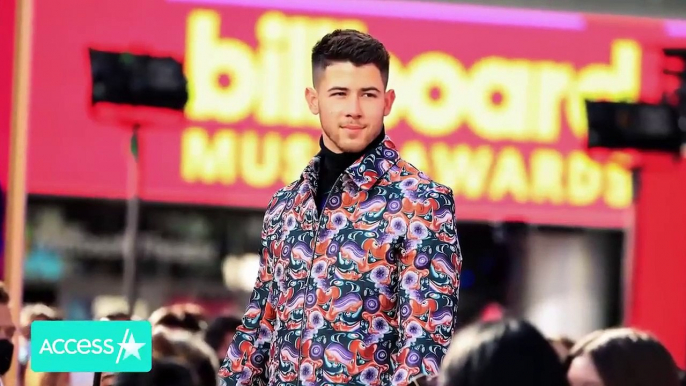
[{"x": 658, "y": 290}]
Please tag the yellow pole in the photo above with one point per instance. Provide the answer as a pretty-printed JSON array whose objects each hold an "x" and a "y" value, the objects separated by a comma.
[{"x": 16, "y": 187}]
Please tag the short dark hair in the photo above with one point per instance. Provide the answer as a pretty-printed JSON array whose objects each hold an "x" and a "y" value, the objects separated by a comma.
[
  {"x": 628, "y": 357},
  {"x": 348, "y": 45},
  {"x": 187, "y": 317},
  {"x": 501, "y": 352},
  {"x": 220, "y": 326},
  {"x": 169, "y": 372}
]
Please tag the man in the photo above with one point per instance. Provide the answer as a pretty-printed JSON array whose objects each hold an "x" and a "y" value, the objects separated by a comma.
[
  {"x": 359, "y": 274},
  {"x": 7, "y": 330}
]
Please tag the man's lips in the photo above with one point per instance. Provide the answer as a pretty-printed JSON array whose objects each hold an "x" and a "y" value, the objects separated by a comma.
[{"x": 353, "y": 127}]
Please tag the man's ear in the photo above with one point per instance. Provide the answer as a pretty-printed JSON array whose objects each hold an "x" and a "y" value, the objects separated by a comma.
[
  {"x": 312, "y": 99},
  {"x": 389, "y": 98}
]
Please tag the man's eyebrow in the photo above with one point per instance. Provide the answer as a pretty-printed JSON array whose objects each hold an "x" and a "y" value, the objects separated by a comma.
[
  {"x": 337, "y": 88},
  {"x": 365, "y": 89}
]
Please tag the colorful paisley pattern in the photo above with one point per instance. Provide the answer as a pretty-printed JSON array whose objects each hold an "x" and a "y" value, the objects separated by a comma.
[{"x": 366, "y": 294}]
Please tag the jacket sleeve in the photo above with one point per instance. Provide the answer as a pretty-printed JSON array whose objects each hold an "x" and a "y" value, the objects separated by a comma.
[
  {"x": 429, "y": 274},
  {"x": 246, "y": 358}
]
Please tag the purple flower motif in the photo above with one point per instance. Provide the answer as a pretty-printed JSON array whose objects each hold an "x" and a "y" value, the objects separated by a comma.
[
  {"x": 414, "y": 329},
  {"x": 369, "y": 375},
  {"x": 278, "y": 272},
  {"x": 264, "y": 334},
  {"x": 410, "y": 280},
  {"x": 380, "y": 324},
  {"x": 338, "y": 220},
  {"x": 319, "y": 268},
  {"x": 400, "y": 376},
  {"x": 380, "y": 274},
  {"x": 418, "y": 230},
  {"x": 306, "y": 371},
  {"x": 290, "y": 222},
  {"x": 316, "y": 320},
  {"x": 409, "y": 183},
  {"x": 398, "y": 226}
]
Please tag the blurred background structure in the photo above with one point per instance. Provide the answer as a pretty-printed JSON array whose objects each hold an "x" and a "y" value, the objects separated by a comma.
[{"x": 490, "y": 102}]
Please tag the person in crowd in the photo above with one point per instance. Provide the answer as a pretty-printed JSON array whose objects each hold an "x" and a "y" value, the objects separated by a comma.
[
  {"x": 188, "y": 317},
  {"x": 7, "y": 331},
  {"x": 108, "y": 378},
  {"x": 562, "y": 346},
  {"x": 501, "y": 353},
  {"x": 31, "y": 313},
  {"x": 197, "y": 354},
  {"x": 360, "y": 260},
  {"x": 220, "y": 333},
  {"x": 164, "y": 372},
  {"x": 621, "y": 357}
]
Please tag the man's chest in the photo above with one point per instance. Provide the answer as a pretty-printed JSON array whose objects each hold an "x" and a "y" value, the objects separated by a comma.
[{"x": 354, "y": 234}]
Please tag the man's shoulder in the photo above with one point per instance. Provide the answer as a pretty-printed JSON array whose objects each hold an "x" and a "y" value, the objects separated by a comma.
[
  {"x": 283, "y": 195},
  {"x": 410, "y": 178}
]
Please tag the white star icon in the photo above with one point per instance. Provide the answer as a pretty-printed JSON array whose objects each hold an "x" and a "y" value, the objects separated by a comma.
[{"x": 129, "y": 347}]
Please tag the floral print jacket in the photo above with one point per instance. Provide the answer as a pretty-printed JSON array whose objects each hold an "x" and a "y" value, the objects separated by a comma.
[{"x": 365, "y": 293}]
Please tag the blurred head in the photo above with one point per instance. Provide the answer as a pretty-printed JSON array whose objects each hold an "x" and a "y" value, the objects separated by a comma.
[
  {"x": 562, "y": 345},
  {"x": 501, "y": 353},
  {"x": 198, "y": 354},
  {"x": 188, "y": 348},
  {"x": 220, "y": 333},
  {"x": 33, "y": 313},
  {"x": 350, "y": 75},
  {"x": 7, "y": 330},
  {"x": 187, "y": 317},
  {"x": 118, "y": 316},
  {"x": 167, "y": 372},
  {"x": 621, "y": 356}
]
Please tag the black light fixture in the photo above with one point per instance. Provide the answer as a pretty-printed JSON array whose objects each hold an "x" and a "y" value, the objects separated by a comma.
[
  {"x": 642, "y": 126},
  {"x": 137, "y": 80}
]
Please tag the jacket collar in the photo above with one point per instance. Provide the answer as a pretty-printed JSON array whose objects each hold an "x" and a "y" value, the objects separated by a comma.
[{"x": 365, "y": 171}]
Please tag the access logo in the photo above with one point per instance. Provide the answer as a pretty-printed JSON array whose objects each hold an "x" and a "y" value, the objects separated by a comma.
[{"x": 91, "y": 346}]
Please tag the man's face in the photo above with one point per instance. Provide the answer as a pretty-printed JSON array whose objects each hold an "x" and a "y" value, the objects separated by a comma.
[
  {"x": 351, "y": 102},
  {"x": 7, "y": 326}
]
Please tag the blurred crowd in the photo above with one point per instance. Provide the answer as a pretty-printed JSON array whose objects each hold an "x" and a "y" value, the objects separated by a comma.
[{"x": 188, "y": 348}]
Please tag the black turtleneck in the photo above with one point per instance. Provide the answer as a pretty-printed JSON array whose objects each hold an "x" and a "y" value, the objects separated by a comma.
[{"x": 333, "y": 164}]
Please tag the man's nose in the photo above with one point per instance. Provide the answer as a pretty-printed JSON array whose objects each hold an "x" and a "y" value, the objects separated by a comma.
[{"x": 354, "y": 108}]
